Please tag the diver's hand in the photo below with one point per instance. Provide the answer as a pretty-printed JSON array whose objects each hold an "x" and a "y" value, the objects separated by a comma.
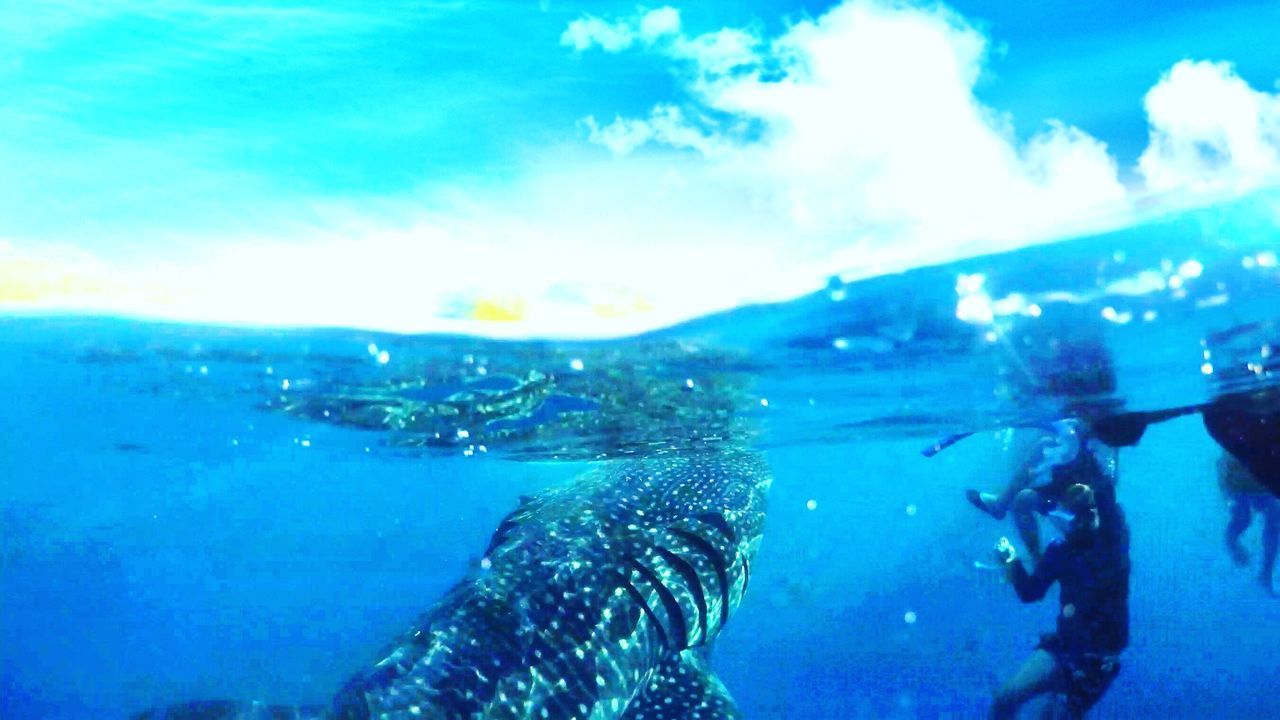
[{"x": 1004, "y": 551}]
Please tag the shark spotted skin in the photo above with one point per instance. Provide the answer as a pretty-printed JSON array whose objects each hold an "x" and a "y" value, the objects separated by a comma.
[{"x": 597, "y": 599}]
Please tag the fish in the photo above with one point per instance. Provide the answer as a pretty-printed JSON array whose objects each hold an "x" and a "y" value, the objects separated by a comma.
[{"x": 600, "y": 598}]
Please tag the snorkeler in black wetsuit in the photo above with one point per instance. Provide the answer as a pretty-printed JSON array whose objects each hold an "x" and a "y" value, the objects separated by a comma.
[
  {"x": 1248, "y": 427},
  {"x": 1067, "y": 457},
  {"x": 1091, "y": 567}
]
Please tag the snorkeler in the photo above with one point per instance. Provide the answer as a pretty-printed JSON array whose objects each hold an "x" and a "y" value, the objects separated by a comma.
[
  {"x": 1247, "y": 425},
  {"x": 1079, "y": 661},
  {"x": 1245, "y": 497},
  {"x": 1060, "y": 459}
]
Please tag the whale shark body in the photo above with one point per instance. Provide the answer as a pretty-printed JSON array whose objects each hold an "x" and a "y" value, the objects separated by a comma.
[{"x": 597, "y": 599}]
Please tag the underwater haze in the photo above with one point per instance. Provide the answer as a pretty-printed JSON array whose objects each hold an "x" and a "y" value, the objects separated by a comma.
[{"x": 196, "y": 512}]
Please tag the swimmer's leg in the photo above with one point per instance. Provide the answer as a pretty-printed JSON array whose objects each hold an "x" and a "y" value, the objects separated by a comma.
[
  {"x": 1241, "y": 515},
  {"x": 1039, "y": 674},
  {"x": 997, "y": 505},
  {"x": 1270, "y": 539},
  {"x": 1024, "y": 518},
  {"x": 987, "y": 503}
]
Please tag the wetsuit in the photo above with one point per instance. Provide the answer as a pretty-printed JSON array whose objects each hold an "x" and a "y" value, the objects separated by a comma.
[
  {"x": 1251, "y": 437},
  {"x": 1092, "y": 572},
  {"x": 1084, "y": 469}
]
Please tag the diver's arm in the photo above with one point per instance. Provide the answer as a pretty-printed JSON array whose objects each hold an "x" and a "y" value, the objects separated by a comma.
[{"x": 1033, "y": 586}]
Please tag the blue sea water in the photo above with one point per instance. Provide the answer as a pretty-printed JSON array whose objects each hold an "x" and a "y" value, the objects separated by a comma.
[{"x": 200, "y": 512}]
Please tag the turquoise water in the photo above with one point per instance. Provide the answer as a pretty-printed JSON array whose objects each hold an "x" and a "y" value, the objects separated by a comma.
[{"x": 194, "y": 512}]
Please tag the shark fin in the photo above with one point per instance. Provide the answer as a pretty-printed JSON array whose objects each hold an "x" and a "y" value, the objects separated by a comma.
[{"x": 683, "y": 686}]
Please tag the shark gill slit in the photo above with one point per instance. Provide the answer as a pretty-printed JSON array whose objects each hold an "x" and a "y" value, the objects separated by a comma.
[
  {"x": 648, "y": 611},
  {"x": 717, "y": 521},
  {"x": 690, "y": 577},
  {"x": 674, "y": 614},
  {"x": 718, "y": 563}
]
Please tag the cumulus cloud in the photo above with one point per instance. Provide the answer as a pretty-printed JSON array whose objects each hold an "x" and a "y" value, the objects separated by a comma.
[
  {"x": 590, "y": 31},
  {"x": 658, "y": 23},
  {"x": 711, "y": 53},
  {"x": 720, "y": 52},
  {"x": 645, "y": 27},
  {"x": 1210, "y": 130},
  {"x": 666, "y": 124},
  {"x": 863, "y": 123}
]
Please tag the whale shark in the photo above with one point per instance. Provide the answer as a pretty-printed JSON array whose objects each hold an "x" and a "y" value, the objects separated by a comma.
[{"x": 600, "y": 598}]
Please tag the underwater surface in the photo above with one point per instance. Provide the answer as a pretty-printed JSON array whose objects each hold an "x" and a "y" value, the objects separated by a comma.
[{"x": 197, "y": 512}]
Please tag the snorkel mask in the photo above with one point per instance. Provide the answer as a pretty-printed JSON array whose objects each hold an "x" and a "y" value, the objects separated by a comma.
[
  {"x": 1060, "y": 446},
  {"x": 1066, "y": 442}
]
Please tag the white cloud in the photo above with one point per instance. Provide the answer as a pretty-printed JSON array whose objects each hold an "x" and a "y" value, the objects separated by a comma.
[
  {"x": 1210, "y": 130},
  {"x": 658, "y": 23},
  {"x": 589, "y": 31},
  {"x": 720, "y": 52},
  {"x": 666, "y": 124},
  {"x": 863, "y": 124},
  {"x": 647, "y": 27},
  {"x": 581, "y": 246},
  {"x": 620, "y": 136}
]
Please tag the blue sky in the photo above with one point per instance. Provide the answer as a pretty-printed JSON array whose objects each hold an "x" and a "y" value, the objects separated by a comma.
[
  {"x": 142, "y": 138},
  {"x": 1089, "y": 63}
]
